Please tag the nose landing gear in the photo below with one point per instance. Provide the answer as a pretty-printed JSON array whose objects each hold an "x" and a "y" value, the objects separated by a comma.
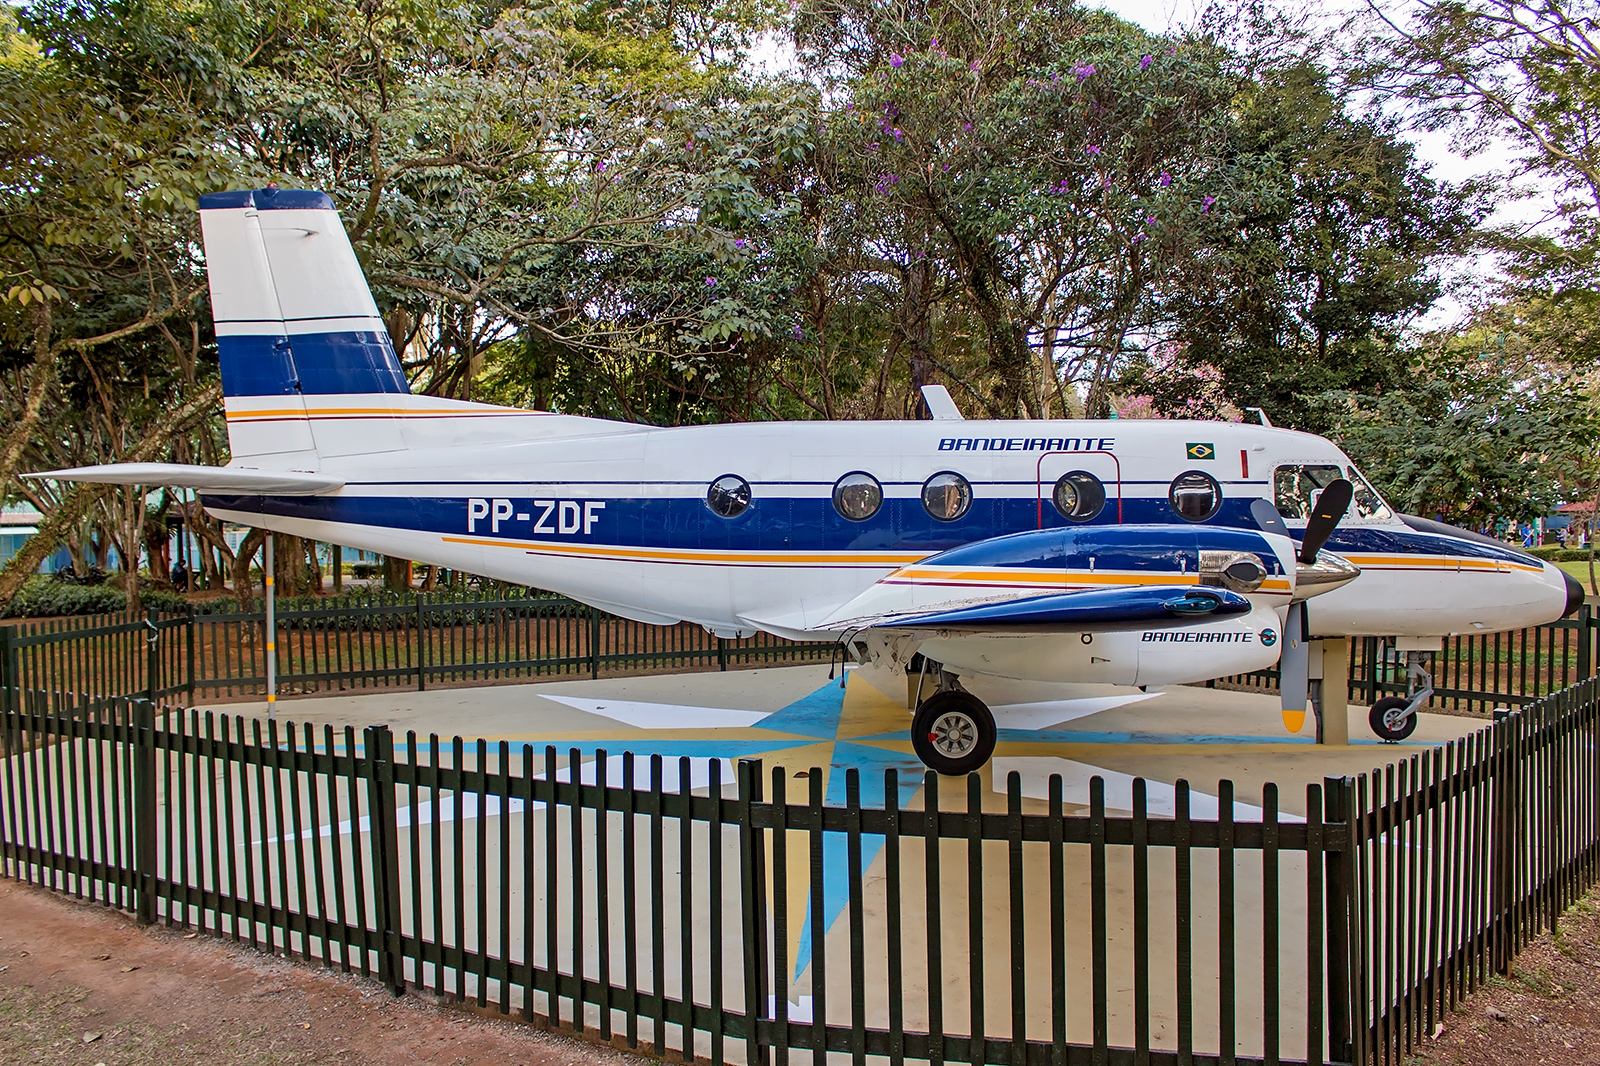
[
  {"x": 952, "y": 731},
  {"x": 1394, "y": 718}
]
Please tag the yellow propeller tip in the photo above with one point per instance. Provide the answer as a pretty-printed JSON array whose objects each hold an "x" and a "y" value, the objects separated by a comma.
[{"x": 1293, "y": 721}]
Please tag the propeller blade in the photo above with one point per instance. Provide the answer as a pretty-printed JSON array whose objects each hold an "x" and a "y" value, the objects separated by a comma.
[
  {"x": 1325, "y": 515},
  {"x": 1294, "y": 663},
  {"x": 1267, "y": 517}
]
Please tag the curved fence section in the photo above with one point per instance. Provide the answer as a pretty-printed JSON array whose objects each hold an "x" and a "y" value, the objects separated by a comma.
[{"x": 738, "y": 913}]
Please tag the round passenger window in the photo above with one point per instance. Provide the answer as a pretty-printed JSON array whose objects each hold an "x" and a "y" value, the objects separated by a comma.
[
  {"x": 728, "y": 496},
  {"x": 946, "y": 496},
  {"x": 1195, "y": 495},
  {"x": 1079, "y": 495},
  {"x": 857, "y": 496}
]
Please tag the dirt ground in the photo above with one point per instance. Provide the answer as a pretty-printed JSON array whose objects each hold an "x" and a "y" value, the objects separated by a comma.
[
  {"x": 1546, "y": 1011},
  {"x": 81, "y": 984}
]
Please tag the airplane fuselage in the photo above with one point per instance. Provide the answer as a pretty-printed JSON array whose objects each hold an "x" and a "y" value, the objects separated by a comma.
[{"x": 617, "y": 515}]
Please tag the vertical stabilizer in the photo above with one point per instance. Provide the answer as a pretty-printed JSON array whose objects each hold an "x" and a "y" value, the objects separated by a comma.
[{"x": 308, "y": 370}]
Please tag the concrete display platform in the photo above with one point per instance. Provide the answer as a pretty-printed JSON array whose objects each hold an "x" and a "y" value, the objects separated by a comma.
[{"x": 796, "y": 718}]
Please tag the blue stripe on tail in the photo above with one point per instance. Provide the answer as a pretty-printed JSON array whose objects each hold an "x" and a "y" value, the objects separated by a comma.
[{"x": 311, "y": 364}]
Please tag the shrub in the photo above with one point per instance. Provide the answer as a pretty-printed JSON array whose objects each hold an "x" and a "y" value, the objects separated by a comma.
[
  {"x": 1555, "y": 553},
  {"x": 43, "y": 597}
]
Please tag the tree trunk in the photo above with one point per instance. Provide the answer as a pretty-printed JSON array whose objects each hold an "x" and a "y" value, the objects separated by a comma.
[
  {"x": 243, "y": 587},
  {"x": 133, "y": 508},
  {"x": 158, "y": 550},
  {"x": 313, "y": 569},
  {"x": 289, "y": 565},
  {"x": 41, "y": 379},
  {"x": 397, "y": 574}
]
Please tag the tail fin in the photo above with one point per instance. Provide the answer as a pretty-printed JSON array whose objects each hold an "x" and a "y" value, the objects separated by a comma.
[{"x": 296, "y": 326}]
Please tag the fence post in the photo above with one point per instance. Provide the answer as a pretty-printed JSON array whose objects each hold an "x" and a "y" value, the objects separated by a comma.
[
  {"x": 1500, "y": 842},
  {"x": 594, "y": 642},
  {"x": 753, "y": 903},
  {"x": 10, "y": 672},
  {"x": 1585, "y": 635},
  {"x": 152, "y": 657},
  {"x": 385, "y": 856},
  {"x": 722, "y": 654},
  {"x": 144, "y": 809},
  {"x": 188, "y": 642},
  {"x": 144, "y": 775},
  {"x": 422, "y": 650},
  {"x": 1338, "y": 900}
]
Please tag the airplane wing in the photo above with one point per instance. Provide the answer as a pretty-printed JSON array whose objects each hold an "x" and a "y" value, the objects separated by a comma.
[
  {"x": 1082, "y": 607},
  {"x": 1103, "y": 606},
  {"x": 220, "y": 479}
]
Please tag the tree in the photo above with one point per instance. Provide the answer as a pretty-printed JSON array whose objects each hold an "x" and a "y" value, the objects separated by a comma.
[
  {"x": 1481, "y": 435},
  {"x": 1526, "y": 71},
  {"x": 1318, "y": 265}
]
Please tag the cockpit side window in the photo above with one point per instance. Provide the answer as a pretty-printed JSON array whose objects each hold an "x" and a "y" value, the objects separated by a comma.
[
  {"x": 1366, "y": 502},
  {"x": 1295, "y": 490},
  {"x": 1296, "y": 487}
]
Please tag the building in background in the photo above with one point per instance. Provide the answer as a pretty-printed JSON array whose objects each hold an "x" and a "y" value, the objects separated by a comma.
[{"x": 18, "y": 523}]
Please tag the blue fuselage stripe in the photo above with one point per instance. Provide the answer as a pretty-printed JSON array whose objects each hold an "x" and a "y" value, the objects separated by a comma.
[{"x": 810, "y": 524}]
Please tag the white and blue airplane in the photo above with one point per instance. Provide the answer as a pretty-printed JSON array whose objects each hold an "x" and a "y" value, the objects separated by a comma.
[{"x": 1145, "y": 553}]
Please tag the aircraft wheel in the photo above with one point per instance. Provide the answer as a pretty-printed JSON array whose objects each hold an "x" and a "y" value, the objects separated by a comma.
[
  {"x": 1385, "y": 721},
  {"x": 953, "y": 733}
]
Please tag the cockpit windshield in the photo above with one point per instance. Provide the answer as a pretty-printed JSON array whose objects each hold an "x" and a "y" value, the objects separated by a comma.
[{"x": 1296, "y": 488}]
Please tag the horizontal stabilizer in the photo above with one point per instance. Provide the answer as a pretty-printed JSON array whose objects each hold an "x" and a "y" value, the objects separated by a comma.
[
  {"x": 1088, "y": 607},
  {"x": 234, "y": 481}
]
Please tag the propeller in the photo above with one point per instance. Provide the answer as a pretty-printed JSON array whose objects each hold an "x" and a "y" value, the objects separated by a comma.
[
  {"x": 1294, "y": 660},
  {"x": 1325, "y": 515}
]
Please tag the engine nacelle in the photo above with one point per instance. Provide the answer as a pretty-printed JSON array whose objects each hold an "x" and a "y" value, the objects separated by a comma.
[{"x": 1156, "y": 654}]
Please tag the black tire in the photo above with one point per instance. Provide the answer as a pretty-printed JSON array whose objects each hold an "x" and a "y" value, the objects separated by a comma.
[
  {"x": 1378, "y": 718},
  {"x": 953, "y": 733}
]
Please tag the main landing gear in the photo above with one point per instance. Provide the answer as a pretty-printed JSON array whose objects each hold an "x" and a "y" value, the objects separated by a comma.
[
  {"x": 952, "y": 730},
  {"x": 1394, "y": 718}
]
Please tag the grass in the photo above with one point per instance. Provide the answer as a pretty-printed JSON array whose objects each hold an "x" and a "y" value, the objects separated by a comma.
[{"x": 1580, "y": 571}]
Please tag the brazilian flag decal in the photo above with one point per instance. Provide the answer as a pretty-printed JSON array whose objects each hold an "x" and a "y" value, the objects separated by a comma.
[{"x": 1202, "y": 451}]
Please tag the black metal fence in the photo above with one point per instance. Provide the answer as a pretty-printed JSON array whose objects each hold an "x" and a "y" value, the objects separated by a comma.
[
  {"x": 660, "y": 904},
  {"x": 428, "y": 639},
  {"x": 1475, "y": 673}
]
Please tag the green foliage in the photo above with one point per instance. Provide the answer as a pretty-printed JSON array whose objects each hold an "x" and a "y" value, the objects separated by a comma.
[
  {"x": 1522, "y": 72},
  {"x": 1331, "y": 249},
  {"x": 45, "y": 597},
  {"x": 1471, "y": 441},
  {"x": 1555, "y": 553},
  {"x": 592, "y": 208}
]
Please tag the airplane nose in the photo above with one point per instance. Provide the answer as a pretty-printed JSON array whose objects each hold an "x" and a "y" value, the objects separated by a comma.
[{"x": 1575, "y": 594}]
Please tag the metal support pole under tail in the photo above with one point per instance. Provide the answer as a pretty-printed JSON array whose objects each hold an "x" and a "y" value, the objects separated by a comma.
[{"x": 272, "y": 629}]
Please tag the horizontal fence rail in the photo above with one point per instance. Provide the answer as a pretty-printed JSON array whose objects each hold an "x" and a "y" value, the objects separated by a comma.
[{"x": 325, "y": 647}]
